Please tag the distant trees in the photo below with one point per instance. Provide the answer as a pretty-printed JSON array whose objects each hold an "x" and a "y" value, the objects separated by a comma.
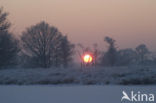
[
  {"x": 126, "y": 57},
  {"x": 138, "y": 56},
  {"x": 67, "y": 50},
  {"x": 42, "y": 45},
  {"x": 8, "y": 44},
  {"x": 109, "y": 58},
  {"x": 45, "y": 46},
  {"x": 142, "y": 53}
]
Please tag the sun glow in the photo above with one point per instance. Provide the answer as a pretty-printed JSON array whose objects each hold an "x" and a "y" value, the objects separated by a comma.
[{"x": 87, "y": 58}]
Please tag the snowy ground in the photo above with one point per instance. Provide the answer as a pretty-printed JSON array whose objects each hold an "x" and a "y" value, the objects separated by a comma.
[
  {"x": 68, "y": 94},
  {"x": 87, "y": 76},
  {"x": 72, "y": 84}
]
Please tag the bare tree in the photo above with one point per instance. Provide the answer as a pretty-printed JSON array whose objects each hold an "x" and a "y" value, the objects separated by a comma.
[
  {"x": 41, "y": 44},
  {"x": 96, "y": 54},
  {"x": 86, "y": 50}
]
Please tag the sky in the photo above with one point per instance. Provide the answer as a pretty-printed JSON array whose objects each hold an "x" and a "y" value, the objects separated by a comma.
[{"x": 129, "y": 22}]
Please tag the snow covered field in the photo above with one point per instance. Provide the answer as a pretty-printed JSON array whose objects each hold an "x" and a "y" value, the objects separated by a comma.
[
  {"x": 74, "y": 85},
  {"x": 85, "y": 76},
  {"x": 68, "y": 93}
]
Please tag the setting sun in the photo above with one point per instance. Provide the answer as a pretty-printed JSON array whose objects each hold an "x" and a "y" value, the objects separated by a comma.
[{"x": 87, "y": 58}]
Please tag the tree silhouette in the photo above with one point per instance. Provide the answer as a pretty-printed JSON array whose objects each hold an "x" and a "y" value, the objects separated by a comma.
[
  {"x": 126, "y": 57},
  {"x": 142, "y": 52},
  {"x": 45, "y": 45},
  {"x": 4, "y": 23},
  {"x": 109, "y": 58},
  {"x": 8, "y": 44},
  {"x": 67, "y": 50}
]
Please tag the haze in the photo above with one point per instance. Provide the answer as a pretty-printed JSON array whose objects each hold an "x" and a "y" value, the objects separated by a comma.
[{"x": 130, "y": 22}]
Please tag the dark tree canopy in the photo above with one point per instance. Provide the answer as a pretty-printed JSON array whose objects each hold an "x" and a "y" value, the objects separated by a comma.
[
  {"x": 109, "y": 58},
  {"x": 8, "y": 49},
  {"x": 142, "y": 52},
  {"x": 43, "y": 44},
  {"x": 4, "y": 23},
  {"x": 67, "y": 50},
  {"x": 126, "y": 57},
  {"x": 8, "y": 44}
]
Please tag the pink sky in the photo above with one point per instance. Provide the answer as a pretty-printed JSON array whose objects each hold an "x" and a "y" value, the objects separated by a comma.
[{"x": 130, "y": 22}]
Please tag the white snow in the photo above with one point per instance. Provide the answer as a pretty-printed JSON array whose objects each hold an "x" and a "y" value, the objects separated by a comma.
[
  {"x": 67, "y": 94},
  {"x": 70, "y": 88},
  {"x": 107, "y": 75}
]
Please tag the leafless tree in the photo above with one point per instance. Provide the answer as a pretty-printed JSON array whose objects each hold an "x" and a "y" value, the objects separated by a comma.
[
  {"x": 41, "y": 43},
  {"x": 96, "y": 54}
]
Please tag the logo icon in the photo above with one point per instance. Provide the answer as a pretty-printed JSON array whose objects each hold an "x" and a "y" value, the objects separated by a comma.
[
  {"x": 137, "y": 97},
  {"x": 125, "y": 96}
]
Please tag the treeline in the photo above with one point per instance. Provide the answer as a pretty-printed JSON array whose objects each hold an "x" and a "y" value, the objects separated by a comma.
[
  {"x": 40, "y": 45},
  {"x": 114, "y": 56},
  {"x": 123, "y": 57},
  {"x": 44, "y": 46}
]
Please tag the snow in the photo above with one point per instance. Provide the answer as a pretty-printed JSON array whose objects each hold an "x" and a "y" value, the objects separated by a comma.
[
  {"x": 74, "y": 85},
  {"x": 87, "y": 76},
  {"x": 67, "y": 93}
]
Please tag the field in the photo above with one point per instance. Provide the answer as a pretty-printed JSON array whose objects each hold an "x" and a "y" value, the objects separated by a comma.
[{"x": 83, "y": 76}]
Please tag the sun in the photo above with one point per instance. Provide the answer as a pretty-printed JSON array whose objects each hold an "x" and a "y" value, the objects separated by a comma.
[{"x": 87, "y": 58}]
